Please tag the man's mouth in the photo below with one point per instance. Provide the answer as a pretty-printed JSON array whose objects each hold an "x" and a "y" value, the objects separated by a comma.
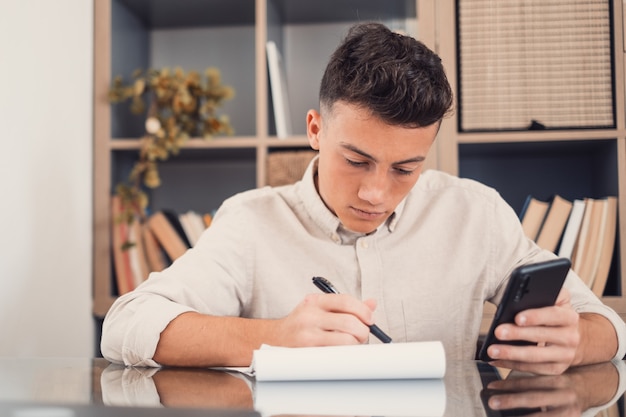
[{"x": 368, "y": 215}]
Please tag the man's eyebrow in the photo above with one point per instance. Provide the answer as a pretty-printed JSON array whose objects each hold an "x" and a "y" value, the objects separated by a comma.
[{"x": 368, "y": 156}]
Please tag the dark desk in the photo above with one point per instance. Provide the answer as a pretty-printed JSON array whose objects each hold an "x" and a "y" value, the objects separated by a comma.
[{"x": 93, "y": 387}]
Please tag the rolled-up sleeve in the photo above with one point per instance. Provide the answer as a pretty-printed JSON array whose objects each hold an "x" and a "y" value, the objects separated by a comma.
[{"x": 212, "y": 278}]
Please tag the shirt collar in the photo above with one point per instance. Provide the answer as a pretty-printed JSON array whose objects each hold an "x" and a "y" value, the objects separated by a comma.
[{"x": 325, "y": 219}]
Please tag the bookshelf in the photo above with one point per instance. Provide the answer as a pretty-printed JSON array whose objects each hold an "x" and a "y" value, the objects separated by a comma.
[
  {"x": 231, "y": 35},
  {"x": 572, "y": 161}
]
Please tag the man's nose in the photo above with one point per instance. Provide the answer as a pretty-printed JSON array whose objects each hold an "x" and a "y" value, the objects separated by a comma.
[{"x": 374, "y": 187}]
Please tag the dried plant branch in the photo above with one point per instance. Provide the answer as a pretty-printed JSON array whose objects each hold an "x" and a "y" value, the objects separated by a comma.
[{"x": 180, "y": 105}]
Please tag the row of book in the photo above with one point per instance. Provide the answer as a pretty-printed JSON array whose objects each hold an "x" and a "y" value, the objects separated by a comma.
[
  {"x": 583, "y": 230},
  {"x": 140, "y": 248}
]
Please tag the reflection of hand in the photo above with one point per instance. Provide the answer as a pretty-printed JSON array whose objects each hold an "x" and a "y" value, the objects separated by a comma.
[
  {"x": 571, "y": 393},
  {"x": 180, "y": 387},
  {"x": 554, "y": 333},
  {"x": 327, "y": 319}
]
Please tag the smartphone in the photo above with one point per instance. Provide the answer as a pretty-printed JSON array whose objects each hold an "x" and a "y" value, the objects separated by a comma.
[{"x": 530, "y": 286}]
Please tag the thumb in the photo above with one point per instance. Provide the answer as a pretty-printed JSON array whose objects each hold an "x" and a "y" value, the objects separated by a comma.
[{"x": 371, "y": 303}]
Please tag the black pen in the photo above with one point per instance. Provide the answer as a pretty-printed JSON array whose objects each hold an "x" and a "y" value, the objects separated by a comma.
[{"x": 325, "y": 285}]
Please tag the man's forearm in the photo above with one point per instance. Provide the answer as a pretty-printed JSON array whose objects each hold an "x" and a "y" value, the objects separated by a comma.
[
  {"x": 598, "y": 340},
  {"x": 194, "y": 339}
]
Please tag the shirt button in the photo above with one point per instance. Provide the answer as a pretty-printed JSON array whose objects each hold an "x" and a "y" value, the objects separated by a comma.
[
  {"x": 336, "y": 238},
  {"x": 364, "y": 244}
]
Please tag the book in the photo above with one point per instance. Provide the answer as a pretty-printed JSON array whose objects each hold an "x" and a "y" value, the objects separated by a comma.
[
  {"x": 207, "y": 218},
  {"x": 553, "y": 225},
  {"x": 137, "y": 254},
  {"x": 188, "y": 228},
  {"x": 607, "y": 246},
  {"x": 579, "y": 246},
  {"x": 587, "y": 249},
  {"x": 415, "y": 360},
  {"x": 121, "y": 257},
  {"x": 193, "y": 225},
  {"x": 278, "y": 88},
  {"x": 532, "y": 215},
  {"x": 169, "y": 233},
  {"x": 570, "y": 235},
  {"x": 174, "y": 220},
  {"x": 157, "y": 260}
]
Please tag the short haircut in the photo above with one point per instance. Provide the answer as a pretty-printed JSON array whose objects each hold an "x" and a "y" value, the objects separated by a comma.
[{"x": 395, "y": 76}]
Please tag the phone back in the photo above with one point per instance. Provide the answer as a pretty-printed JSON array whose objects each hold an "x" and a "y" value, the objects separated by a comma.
[
  {"x": 530, "y": 286},
  {"x": 534, "y": 285}
]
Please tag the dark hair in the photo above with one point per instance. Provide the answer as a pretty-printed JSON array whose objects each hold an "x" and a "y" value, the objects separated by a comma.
[{"x": 395, "y": 76}]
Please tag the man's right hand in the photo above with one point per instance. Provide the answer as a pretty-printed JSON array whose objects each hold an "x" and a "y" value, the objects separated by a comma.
[
  {"x": 194, "y": 339},
  {"x": 326, "y": 319}
]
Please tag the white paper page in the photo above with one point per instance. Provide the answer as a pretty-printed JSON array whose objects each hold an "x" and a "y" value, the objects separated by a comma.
[
  {"x": 406, "y": 397},
  {"x": 375, "y": 361}
]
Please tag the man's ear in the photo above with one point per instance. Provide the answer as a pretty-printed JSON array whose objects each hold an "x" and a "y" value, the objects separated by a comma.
[{"x": 313, "y": 128}]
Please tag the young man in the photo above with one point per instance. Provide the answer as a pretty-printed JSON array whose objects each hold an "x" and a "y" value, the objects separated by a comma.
[{"x": 423, "y": 251}]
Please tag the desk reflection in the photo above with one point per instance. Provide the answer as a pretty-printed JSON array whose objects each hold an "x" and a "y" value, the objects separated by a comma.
[
  {"x": 174, "y": 387},
  {"x": 468, "y": 389},
  {"x": 588, "y": 390}
]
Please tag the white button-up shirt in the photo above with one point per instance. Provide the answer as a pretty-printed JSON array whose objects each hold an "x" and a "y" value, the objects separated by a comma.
[{"x": 449, "y": 247}]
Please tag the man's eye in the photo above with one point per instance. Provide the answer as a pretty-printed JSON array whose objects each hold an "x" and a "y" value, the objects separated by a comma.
[
  {"x": 404, "y": 171},
  {"x": 355, "y": 163}
]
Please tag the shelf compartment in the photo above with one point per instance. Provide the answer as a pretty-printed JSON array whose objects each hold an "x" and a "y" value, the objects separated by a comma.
[
  {"x": 198, "y": 179},
  {"x": 306, "y": 34},
  {"x": 190, "y": 35},
  {"x": 572, "y": 169}
]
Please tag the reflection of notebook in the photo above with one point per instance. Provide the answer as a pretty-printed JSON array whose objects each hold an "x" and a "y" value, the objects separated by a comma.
[
  {"x": 74, "y": 410},
  {"x": 392, "y": 397}
]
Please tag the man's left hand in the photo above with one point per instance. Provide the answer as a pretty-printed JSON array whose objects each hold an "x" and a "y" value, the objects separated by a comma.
[{"x": 555, "y": 335}]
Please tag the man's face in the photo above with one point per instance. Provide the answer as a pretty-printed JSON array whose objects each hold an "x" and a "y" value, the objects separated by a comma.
[{"x": 366, "y": 167}]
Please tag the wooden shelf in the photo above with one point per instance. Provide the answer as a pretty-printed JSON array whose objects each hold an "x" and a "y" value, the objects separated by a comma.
[
  {"x": 120, "y": 144},
  {"x": 231, "y": 34}
]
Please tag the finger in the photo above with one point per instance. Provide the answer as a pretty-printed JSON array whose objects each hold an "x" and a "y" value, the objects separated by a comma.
[
  {"x": 345, "y": 323},
  {"x": 531, "y": 354},
  {"x": 548, "y": 316},
  {"x": 534, "y": 368},
  {"x": 338, "y": 313},
  {"x": 343, "y": 303},
  {"x": 543, "y": 335},
  {"x": 316, "y": 327},
  {"x": 335, "y": 338},
  {"x": 533, "y": 399},
  {"x": 371, "y": 303},
  {"x": 522, "y": 384}
]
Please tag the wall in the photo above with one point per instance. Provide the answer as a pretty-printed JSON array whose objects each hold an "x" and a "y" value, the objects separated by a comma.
[{"x": 46, "y": 50}]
